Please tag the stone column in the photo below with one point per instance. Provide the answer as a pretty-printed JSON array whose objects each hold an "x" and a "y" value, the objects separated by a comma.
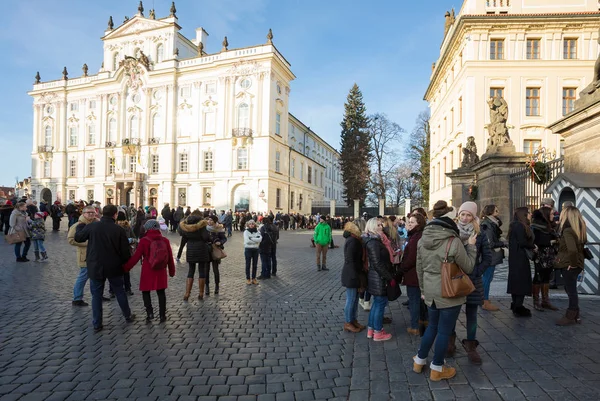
[
  {"x": 406, "y": 206},
  {"x": 461, "y": 178},
  {"x": 493, "y": 178},
  {"x": 356, "y": 208},
  {"x": 381, "y": 206},
  {"x": 332, "y": 207}
]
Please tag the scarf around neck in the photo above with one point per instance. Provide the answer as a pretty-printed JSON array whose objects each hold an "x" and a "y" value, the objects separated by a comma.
[{"x": 465, "y": 231}]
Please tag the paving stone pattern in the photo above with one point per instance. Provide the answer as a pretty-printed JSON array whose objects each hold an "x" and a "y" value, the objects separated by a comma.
[{"x": 280, "y": 340}]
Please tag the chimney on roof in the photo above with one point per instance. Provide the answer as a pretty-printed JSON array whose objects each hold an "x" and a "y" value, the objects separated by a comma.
[{"x": 201, "y": 36}]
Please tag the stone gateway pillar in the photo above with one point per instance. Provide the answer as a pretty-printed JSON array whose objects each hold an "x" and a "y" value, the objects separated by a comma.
[{"x": 356, "y": 208}]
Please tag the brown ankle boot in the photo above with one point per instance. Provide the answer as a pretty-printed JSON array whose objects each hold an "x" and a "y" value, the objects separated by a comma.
[
  {"x": 471, "y": 348},
  {"x": 546, "y": 297},
  {"x": 451, "y": 346},
  {"x": 201, "y": 284},
  {"x": 446, "y": 373},
  {"x": 488, "y": 306},
  {"x": 358, "y": 325},
  {"x": 571, "y": 317},
  {"x": 537, "y": 303},
  {"x": 188, "y": 288},
  {"x": 351, "y": 328}
]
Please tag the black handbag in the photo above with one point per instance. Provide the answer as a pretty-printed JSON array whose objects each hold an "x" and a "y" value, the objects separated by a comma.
[
  {"x": 530, "y": 253},
  {"x": 394, "y": 292},
  {"x": 587, "y": 253}
]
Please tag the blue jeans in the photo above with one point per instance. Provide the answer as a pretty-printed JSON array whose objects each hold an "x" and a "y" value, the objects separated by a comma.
[
  {"x": 265, "y": 261},
  {"x": 414, "y": 303},
  {"x": 26, "y": 246},
  {"x": 82, "y": 278},
  {"x": 229, "y": 230},
  {"x": 251, "y": 255},
  {"x": 274, "y": 260},
  {"x": 487, "y": 278},
  {"x": 97, "y": 288},
  {"x": 376, "y": 313},
  {"x": 471, "y": 312},
  {"x": 38, "y": 245},
  {"x": 351, "y": 308},
  {"x": 441, "y": 325}
]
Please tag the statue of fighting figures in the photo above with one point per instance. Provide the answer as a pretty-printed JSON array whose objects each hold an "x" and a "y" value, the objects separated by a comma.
[
  {"x": 497, "y": 129},
  {"x": 469, "y": 153}
]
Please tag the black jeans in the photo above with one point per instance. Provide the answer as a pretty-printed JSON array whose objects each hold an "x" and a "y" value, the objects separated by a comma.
[
  {"x": 518, "y": 300},
  {"x": 215, "y": 269},
  {"x": 55, "y": 223},
  {"x": 202, "y": 269},
  {"x": 181, "y": 246},
  {"x": 162, "y": 302},
  {"x": 570, "y": 277}
]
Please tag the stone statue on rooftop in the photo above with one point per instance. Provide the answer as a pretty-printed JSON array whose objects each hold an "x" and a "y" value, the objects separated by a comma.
[
  {"x": 141, "y": 9},
  {"x": 270, "y": 37},
  {"x": 111, "y": 24},
  {"x": 152, "y": 14},
  {"x": 38, "y": 79},
  {"x": 225, "y": 44},
  {"x": 85, "y": 70},
  {"x": 173, "y": 9},
  {"x": 65, "y": 74}
]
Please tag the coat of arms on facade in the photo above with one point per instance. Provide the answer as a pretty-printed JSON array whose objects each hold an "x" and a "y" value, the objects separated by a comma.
[{"x": 134, "y": 68}]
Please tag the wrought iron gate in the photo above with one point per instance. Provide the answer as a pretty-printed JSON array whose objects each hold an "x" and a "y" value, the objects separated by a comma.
[{"x": 524, "y": 191}]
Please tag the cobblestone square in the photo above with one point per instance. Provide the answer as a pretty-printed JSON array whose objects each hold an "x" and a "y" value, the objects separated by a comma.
[{"x": 280, "y": 340}]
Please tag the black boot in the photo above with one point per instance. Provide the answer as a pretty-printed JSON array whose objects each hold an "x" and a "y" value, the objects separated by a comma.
[
  {"x": 207, "y": 290},
  {"x": 37, "y": 256},
  {"x": 216, "y": 288},
  {"x": 149, "y": 314}
]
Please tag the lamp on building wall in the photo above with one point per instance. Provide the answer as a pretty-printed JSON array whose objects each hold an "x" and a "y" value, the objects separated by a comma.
[{"x": 261, "y": 195}]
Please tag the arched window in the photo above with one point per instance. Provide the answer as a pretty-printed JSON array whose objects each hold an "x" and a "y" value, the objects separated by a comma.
[
  {"x": 243, "y": 116},
  {"x": 115, "y": 61},
  {"x": 112, "y": 130},
  {"x": 133, "y": 127},
  {"x": 48, "y": 136},
  {"x": 156, "y": 126},
  {"x": 159, "y": 53}
]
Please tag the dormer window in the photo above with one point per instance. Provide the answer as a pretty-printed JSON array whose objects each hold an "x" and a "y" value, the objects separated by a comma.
[
  {"x": 159, "y": 53},
  {"x": 115, "y": 61}
]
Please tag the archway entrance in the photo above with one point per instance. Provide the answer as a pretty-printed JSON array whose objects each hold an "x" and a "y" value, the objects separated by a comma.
[
  {"x": 566, "y": 195},
  {"x": 46, "y": 195},
  {"x": 241, "y": 199}
]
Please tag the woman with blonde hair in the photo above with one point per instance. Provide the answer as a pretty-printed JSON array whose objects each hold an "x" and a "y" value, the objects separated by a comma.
[
  {"x": 379, "y": 276},
  {"x": 570, "y": 258}
]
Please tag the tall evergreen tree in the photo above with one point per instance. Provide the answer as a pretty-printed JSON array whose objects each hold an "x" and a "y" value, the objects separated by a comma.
[
  {"x": 419, "y": 153},
  {"x": 355, "y": 152}
]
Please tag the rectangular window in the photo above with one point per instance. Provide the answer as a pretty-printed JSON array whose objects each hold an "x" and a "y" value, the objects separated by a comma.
[
  {"x": 439, "y": 177},
  {"x": 91, "y": 167},
  {"x": 451, "y": 119},
  {"x": 73, "y": 136},
  {"x": 208, "y": 161},
  {"x": 497, "y": 49},
  {"x": 209, "y": 123},
  {"x": 531, "y": 145},
  {"x": 278, "y": 124},
  {"x": 72, "y": 168},
  {"x": 321, "y": 179},
  {"x": 92, "y": 134},
  {"x": 562, "y": 148},
  {"x": 183, "y": 163},
  {"x": 92, "y": 104},
  {"x": 211, "y": 88},
  {"x": 570, "y": 49},
  {"x": 301, "y": 171},
  {"x": 460, "y": 110},
  {"x": 111, "y": 165},
  {"x": 451, "y": 160},
  {"x": 532, "y": 102},
  {"x": 278, "y": 198},
  {"x": 293, "y": 168},
  {"x": 242, "y": 159},
  {"x": 569, "y": 97},
  {"x": 444, "y": 172},
  {"x": 496, "y": 92},
  {"x": 91, "y": 194},
  {"x": 278, "y": 162},
  {"x": 155, "y": 160},
  {"x": 132, "y": 163},
  {"x": 309, "y": 176},
  {"x": 185, "y": 91},
  {"x": 73, "y": 107},
  {"x": 533, "y": 49},
  {"x": 71, "y": 194}
]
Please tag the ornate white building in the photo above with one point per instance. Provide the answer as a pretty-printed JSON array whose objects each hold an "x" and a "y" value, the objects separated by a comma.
[
  {"x": 162, "y": 121},
  {"x": 537, "y": 54}
]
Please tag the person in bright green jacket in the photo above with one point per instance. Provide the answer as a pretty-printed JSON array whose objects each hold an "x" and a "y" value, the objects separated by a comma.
[{"x": 322, "y": 238}]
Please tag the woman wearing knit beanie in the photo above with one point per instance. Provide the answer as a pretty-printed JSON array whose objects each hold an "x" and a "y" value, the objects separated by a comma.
[
  {"x": 468, "y": 225},
  {"x": 440, "y": 237}
]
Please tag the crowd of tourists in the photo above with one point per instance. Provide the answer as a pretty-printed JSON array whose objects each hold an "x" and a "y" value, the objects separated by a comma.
[{"x": 448, "y": 260}]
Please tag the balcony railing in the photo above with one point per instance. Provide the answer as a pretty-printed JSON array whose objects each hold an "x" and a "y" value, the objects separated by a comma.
[
  {"x": 110, "y": 144},
  {"x": 131, "y": 141},
  {"x": 153, "y": 141},
  {"x": 45, "y": 149},
  {"x": 241, "y": 132}
]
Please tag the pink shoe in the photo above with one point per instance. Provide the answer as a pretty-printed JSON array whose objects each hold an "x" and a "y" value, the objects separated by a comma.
[
  {"x": 381, "y": 336},
  {"x": 370, "y": 332}
]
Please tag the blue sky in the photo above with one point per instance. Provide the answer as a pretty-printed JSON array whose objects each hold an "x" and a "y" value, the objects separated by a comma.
[{"x": 386, "y": 46}]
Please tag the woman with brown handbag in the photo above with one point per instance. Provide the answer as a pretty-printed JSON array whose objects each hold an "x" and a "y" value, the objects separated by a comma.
[
  {"x": 440, "y": 244},
  {"x": 19, "y": 226}
]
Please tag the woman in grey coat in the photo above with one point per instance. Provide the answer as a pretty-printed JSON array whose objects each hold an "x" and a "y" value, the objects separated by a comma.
[{"x": 19, "y": 223}]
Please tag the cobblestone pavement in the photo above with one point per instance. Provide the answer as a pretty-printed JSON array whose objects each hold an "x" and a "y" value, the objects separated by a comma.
[{"x": 280, "y": 340}]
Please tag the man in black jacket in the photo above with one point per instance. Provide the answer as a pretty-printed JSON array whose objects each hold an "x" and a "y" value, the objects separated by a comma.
[{"x": 107, "y": 252}]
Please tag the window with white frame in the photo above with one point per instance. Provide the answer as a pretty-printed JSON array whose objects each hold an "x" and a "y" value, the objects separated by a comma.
[
  {"x": 48, "y": 135},
  {"x": 309, "y": 175},
  {"x": 278, "y": 161},
  {"x": 133, "y": 127},
  {"x": 112, "y": 130},
  {"x": 242, "y": 159},
  {"x": 72, "y": 136},
  {"x": 132, "y": 164},
  {"x": 185, "y": 91},
  {"x": 209, "y": 122},
  {"x": 91, "y": 167},
  {"x": 111, "y": 165},
  {"x": 301, "y": 171},
  {"x": 154, "y": 162},
  {"x": 92, "y": 134},
  {"x": 92, "y": 104},
  {"x": 208, "y": 160},
  {"x": 278, "y": 198},
  {"x": 72, "y": 168},
  {"x": 115, "y": 61},
  {"x": 74, "y": 106},
  {"x": 278, "y": 124},
  {"x": 183, "y": 163},
  {"x": 46, "y": 169},
  {"x": 159, "y": 53},
  {"x": 293, "y": 167},
  {"x": 530, "y": 146},
  {"x": 211, "y": 88},
  {"x": 292, "y": 200},
  {"x": 243, "y": 116},
  {"x": 321, "y": 179}
]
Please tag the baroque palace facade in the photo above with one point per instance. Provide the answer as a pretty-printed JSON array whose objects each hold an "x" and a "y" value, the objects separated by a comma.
[
  {"x": 536, "y": 54},
  {"x": 163, "y": 121}
]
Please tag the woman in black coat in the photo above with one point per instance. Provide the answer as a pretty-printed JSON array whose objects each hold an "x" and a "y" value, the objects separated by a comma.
[
  {"x": 545, "y": 238},
  {"x": 520, "y": 241},
  {"x": 378, "y": 277},
  {"x": 353, "y": 276},
  {"x": 198, "y": 252},
  {"x": 490, "y": 225},
  {"x": 218, "y": 238}
]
